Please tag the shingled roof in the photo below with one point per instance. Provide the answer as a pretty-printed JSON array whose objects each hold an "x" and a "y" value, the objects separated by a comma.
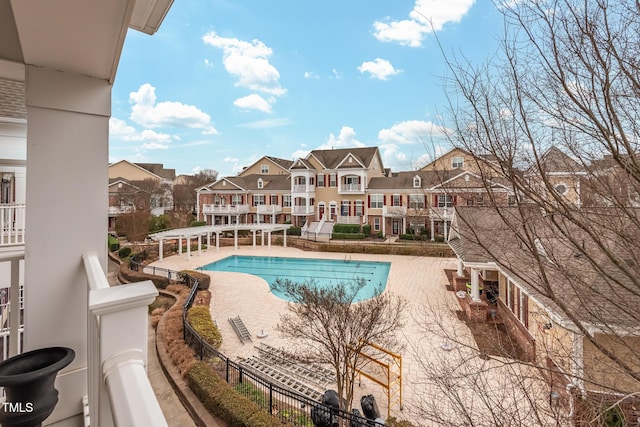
[{"x": 331, "y": 159}]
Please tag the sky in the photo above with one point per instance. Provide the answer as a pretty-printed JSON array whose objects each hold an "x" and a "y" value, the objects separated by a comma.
[{"x": 224, "y": 82}]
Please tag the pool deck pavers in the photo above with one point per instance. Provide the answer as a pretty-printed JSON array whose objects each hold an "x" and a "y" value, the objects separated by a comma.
[{"x": 420, "y": 280}]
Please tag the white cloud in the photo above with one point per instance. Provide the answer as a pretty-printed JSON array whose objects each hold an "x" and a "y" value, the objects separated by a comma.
[
  {"x": 253, "y": 102},
  {"x": 154, "y": 146},
  {"x": 146, "y": 112},
  {"x": 392, "y": 157},
  {"x": 380, "y": 69},
  {"x": 411, "y": 132},
  {"x": 249, "y": 62},
  {"x": 151, "y": 136},
  {"x": 310, "y": 75},
  {"x": 120, "y": 127},
  {"x": 267, "y": 123},
  {"x": 426, "y": 16},
  {"x": 345, "y": 139},
  {"x": 337, "y": 74}
]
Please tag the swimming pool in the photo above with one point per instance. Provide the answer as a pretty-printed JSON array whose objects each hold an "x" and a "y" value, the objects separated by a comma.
[{"x": 325, "y": 272}]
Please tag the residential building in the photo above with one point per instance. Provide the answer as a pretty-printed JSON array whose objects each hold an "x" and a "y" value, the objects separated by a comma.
[
  {"x": 58, "y": 62},
  {"x": 569, "y": 307},
  {"x": 351, "y": 186}
]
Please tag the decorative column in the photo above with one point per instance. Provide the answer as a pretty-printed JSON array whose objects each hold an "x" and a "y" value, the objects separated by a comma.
[
  {"x": 269, "y": 240},
  {"x": 199, "y": 244},
  {"x": 254, "y": 238},
  {"x": 475, "y": 285},
  {"x": 460, "y": 270},
  {"x": 217, "y": 241},
  {"x": 160, "y": 249},
  {"x": 180, "y": 246},
  {"x": 235, "y": 239},
  {"x": 188, "y": 248},
  {"x": 433, "y": 230},
  {"x": 446, "y": 230},
  {"x": 284, "y": 242}
]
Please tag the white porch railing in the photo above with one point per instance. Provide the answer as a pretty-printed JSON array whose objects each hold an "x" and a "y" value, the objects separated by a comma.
[
  {"x": 442, "y": 213},
  {"x": 394, "y": 211},
  {"x": 348, "y": 219},
  {"x": 351, "y": 188},
  {"x": 12, "y": 224},
  {"x": 303, "y": 188},
  {"x": 118, "y": 210},
  {"x": 302, "y": 210},
  {"x": 119, "y": 390},
  {"x": 269, "y": 209},
  {"x": 225, "y": 209}
]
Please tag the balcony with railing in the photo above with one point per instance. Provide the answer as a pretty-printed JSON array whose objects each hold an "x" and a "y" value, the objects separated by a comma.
[
  {"x": 351, "y": 188},
  {"x": 442, "y": 213},
  {"x": 119, "y": 210},
  {"x": 303, "y": 188},
  {"x": 12, "y": 221},
  {"x": 302, "y": 210},
  {"x": 217, "y": 209},
  {"x": 394, "y": 211},
  {"x": 268, "y": 209}
]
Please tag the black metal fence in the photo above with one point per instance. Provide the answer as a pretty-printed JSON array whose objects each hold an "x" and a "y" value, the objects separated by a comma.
[{"x": 291, "y": 407}]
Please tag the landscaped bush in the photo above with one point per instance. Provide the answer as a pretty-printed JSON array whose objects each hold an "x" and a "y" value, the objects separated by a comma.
[
  {"x": 346, "y": 228},
  {"x": 204, "y": 280},
  {"x": 347, "y": 236},
  {"x": 197, "y": 223},
  {"x": 413, "y": 237},
  {"x": 294, "y": 231},
  {"x": 114, "y": 243},
  {"x": 379, "y": 235},
  {"x": 200, "y": 318},
  {"x": 124, "y": 252},
  {"x": 221, "y": 400},
  {"x": 366, "y": 229},
  {"x": 392, "y": 422}
]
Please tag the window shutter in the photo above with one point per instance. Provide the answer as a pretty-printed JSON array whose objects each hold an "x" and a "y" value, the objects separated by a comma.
[
  {"x": 359, "y": 180},
  {"x": 349, "y": 208},
  {"x": 435, "y": 200},
  {"x": 425, "y": 201},
  {"x": 368, "y": 201},
  {"x": 384, "y": 200},
  {"x": 455, "y": 200},
  {"x": 400, "y": 200}
]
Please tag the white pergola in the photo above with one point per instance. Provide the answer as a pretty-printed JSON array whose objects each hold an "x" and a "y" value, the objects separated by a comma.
[{"x": 208, "y": 230}]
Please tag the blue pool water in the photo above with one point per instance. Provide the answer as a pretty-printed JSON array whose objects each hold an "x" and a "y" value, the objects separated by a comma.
[{"x": 324, "y": 272}]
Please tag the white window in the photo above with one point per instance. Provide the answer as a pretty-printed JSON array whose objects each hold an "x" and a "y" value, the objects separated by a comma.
[
  {"x": 320, "y": 180},
  {"x": 274, "y": 199},
  {"x": 416, "y": 201},
  {"x": 376, "y": 224},
  {"x": 260, "y": 183},
  {"x": 333, "y": 182},
  {"x": 511, "y": 200},
  {"x": 396, "y": 200},
  {"x": 561, "y": 189},
  {"x": 416, "y": 181},
  {"x": 457, "y": 162},
  {"x": 264, "y": 168},
  {"x": 236, "y": 199},
  {"x": 258, "y": 199},
  {"x": 445, "y": 201},
  {"x": 376, "y": 201},
  {"x": 359, "y": 208},
  {"x": 286, "y": 200}
]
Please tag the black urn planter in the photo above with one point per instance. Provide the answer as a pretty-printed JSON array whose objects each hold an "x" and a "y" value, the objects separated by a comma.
[{"x": 28, "y": 381}]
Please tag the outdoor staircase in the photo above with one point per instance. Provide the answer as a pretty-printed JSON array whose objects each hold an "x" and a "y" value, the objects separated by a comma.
[{"x": 240, "y": 329}]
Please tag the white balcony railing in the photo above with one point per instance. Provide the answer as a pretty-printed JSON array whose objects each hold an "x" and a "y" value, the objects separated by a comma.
[
  {"x": 303, "y": 188},
  {"x": 394, "y": 211},
  {"x": 12, "y": 224},
  {"x": 445, "y": 213},
  {"x": 348, "y": 219},
  {"x": 118, "y": 210},
  {"x": 302, "y": 210},
  {"x": 11, "y": 282},
  {"x": 225, "y": 209},
  {"x": 269, "y": 209},
  {"x": 119, "y": 390},
  {"x": 351, "y": 188}
]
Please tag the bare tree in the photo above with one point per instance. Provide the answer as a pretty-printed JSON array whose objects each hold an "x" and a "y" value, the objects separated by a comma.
[
  {"x": 332, "y": 328},
  {"x": 184, "y": 194},
  {"x": 557, "y": 112}
]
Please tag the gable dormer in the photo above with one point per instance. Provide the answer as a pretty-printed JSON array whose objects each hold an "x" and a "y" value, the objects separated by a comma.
[
  {"x": 350, "y": 161},
  {"x": 417, "y": 181},
  {"x": 260, "y": 183}
]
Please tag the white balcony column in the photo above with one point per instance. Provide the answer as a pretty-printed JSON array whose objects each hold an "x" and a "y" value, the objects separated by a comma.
[
  {"x": 433, "y": 230},
  {"x": 269, "y": 240},
  {"x": 284, "y": 241},
  {"x": 446, "y": 230},
  {"x": 475, "y": 285},
  {"x": 235, "y": 238},
  {"x": 254, "y": 238},
  {"x": 68, "y": 144},
  {"x": 404, "y": 225},
  {"x": 384, "y": 226},
  {"x": 460, "y": 270},
  {"x": 14, "y": 308},
  {"x": 160, "y": 249},
  {"x": 273, "y": 218}
]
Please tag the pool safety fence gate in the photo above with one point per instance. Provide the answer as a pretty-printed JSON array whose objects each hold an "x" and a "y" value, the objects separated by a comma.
[{"x": 291, "y": 407}]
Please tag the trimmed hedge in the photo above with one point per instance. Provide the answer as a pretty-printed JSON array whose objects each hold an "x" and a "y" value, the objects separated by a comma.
[
  {"x": 200, "y": 318},
  {"x": 347, "y": 236},
  {"x": 346, "y": 228},
  {"x": 414, "y": 237},
  {"x": 124, "y": 252},
  {"x": 197, "y": 223},
  {"x": 366, "y": 229},
  {"x": 223, "y": 401},
  {"x": 294, "y": 231},
  {"x": 114, "y": 243},
  {"x": 204, "y": 280}
]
